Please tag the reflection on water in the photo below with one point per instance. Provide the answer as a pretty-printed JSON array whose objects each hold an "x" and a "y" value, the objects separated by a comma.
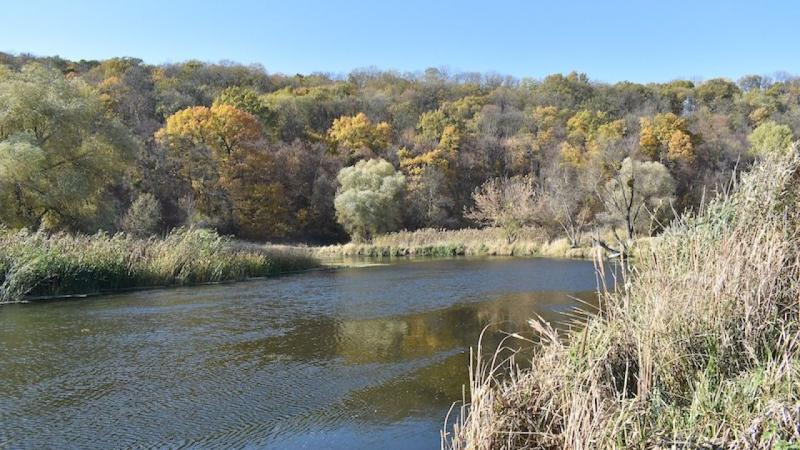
[{"x": 361, "y": 358}]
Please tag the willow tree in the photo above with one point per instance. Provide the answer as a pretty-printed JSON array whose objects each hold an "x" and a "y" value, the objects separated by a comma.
[
  {"x": 369, "y": 200},
  {"x": 638, "y": 195},
  {"x": 60, "y": 152}
]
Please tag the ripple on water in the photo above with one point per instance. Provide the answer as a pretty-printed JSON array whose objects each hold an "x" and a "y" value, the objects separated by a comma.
[{"x": 350, "y": 359}]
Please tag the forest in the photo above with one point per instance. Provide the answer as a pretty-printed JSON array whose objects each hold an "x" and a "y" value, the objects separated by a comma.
[{"x": 120, "y": 145}]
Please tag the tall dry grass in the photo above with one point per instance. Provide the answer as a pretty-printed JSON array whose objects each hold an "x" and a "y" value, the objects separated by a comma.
[
  {"x": 698, "y": 348},
  {"x": 42, "y": 265},
  {"x": 467, "y": 241}
]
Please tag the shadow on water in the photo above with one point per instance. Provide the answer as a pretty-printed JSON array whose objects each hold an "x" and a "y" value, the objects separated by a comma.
[{"x": 347, "y": 359}]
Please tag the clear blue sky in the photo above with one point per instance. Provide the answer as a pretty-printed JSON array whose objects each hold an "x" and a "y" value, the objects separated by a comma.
[{"x": 609, "y": 40}]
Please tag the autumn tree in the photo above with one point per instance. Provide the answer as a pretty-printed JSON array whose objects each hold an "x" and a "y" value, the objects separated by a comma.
[
  {"x": 126, "y": 87},
  {"x": 359, "y": 136},
  {"x": 443, "y": 156},
  {"x": 249, "y": 101},
  {"x": 568, "y": 196},
  {"x": 432, "y": 123},
  {"x": 588, "y": 133},
  {"x": 222, "y": 129},
  {"x": 432, "y": 179},
  {"x": 259, "y": 201},
  {"x": 666, "y": 137},
  {"x": 204, "y": 141},
  {"x": 369, "y": 198}
]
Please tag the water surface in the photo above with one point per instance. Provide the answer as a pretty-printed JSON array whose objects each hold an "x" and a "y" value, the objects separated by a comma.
[{"x": 356, "y": 358}]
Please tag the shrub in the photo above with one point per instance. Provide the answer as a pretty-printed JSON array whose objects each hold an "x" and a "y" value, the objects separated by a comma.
[
  {"x": 143, "y": 218},
  {"x": 770, "y": 137},
  {"x": 506, "y": 203}
]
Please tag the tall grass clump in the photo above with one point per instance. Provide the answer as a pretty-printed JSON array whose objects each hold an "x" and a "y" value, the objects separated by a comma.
[
  {"x": 697, "y": 348},
  {"x": 36, "y": 265},
  {"x": 530, "y": 241}
]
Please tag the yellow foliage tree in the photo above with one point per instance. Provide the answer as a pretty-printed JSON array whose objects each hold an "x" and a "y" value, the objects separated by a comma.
[
  {"x": 547, "y": 119},
  {"x": 440, "y": 157},
  {"x": 666, "y": 136},
  {"x": 206, "y": 143},
  {"x": 583, "y": 126},
  {"x": 759, "y": 115},
  {"x": 588, "y": 133},
  {"x": 359, "y": 135}
]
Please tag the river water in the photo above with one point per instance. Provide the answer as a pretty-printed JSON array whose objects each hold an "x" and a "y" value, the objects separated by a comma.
[{"x": 368, "y": 357}]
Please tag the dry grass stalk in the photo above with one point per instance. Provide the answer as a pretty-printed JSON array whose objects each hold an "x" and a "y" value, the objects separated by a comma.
[{"x": 698, "y": 349}]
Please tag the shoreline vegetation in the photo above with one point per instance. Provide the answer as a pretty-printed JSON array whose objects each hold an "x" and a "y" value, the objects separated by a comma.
[
  {"x": 490, "y": 241},
  {"x": 40, "y": 266},
  {"x": 37, "y": 265},
  {"x": 698, "y": 348}
]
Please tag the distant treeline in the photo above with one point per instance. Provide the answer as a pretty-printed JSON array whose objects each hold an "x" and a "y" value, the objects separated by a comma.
[{"x": 122, "y": 145}]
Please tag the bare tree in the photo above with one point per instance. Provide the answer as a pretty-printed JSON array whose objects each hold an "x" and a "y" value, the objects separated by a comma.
[
  {"x": 506, "y": 203},
  {"x": 568, "y": 197}
]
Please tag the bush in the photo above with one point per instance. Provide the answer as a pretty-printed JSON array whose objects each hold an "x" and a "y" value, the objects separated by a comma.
[
  {"x": 770, "y": 137},
  {"x": 505, "y": 203},
  {"x": 143, "y": 218}
]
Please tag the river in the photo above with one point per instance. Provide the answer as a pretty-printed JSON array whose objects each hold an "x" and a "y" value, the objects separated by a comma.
[{"x": 368, "y": 357}]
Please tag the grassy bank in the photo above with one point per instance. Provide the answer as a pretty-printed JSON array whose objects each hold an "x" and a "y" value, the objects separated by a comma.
[
  {"x": 464, "y": 242},
  {"x": 39, "y": 265},
  {"x": 699, "y": 349}
]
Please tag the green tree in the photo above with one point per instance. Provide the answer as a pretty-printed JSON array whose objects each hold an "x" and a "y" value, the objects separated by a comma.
[
  {"x": 770, "y": 137},
  {"x": 717, "y": 93},
  {"x": 369, "y": 198},
  {"x": 60, "y": 152},
  {"x": 432, "y": 123},
  {"x": 247, "y": 100}
]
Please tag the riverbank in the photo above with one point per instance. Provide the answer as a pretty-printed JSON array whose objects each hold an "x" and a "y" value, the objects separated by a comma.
[
  {"x": 699, "y": 350},
  {"x": 37, "y": 265},
  {"x": 463, "y": 242}
]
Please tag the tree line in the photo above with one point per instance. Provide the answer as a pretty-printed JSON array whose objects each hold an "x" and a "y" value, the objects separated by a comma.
[{"x": 122, "y": 145}]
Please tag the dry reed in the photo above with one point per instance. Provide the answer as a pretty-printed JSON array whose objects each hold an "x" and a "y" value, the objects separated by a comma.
[{"x": 698, "y": 348}]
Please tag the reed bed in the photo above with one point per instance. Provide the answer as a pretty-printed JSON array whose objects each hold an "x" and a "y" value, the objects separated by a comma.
[
  {"x": 463, "y": 242},
  {"x": 697, "y": 348},
  {"x": 38, "y": 265}
]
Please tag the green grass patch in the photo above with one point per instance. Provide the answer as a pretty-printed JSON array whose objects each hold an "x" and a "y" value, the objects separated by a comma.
[{"x": 36, "y": 265}]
